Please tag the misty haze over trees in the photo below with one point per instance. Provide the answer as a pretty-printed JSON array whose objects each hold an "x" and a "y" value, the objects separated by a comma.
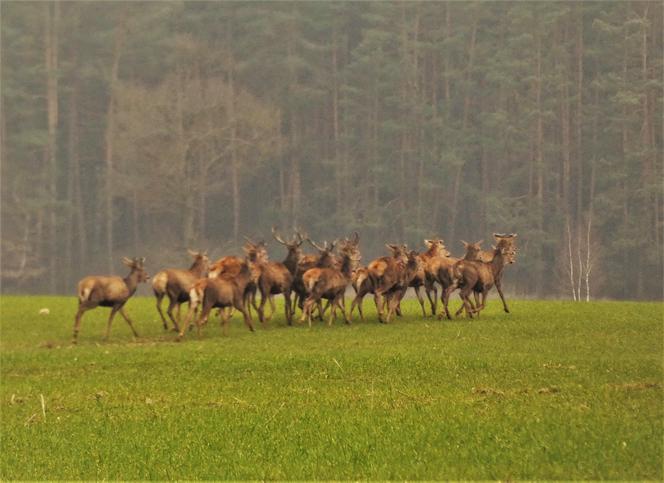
[{"x": 144, "y": 129}]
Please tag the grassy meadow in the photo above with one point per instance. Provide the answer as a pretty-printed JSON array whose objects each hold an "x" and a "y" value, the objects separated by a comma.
[{"x": 553, "y": 390}]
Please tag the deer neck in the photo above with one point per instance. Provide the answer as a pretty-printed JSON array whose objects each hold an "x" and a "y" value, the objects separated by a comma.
[
  {"x": 346, "y": 267},
  {"x": 291, "y": 261},
  {"x": 197, "y": 268},
  {"x": 498, "y": 263},
  {"x": 131, "y": 281}
]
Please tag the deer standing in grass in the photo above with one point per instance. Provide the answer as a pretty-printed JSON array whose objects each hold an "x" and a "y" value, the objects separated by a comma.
[
  {"x": 109, "y": 291},
  {"x": 362, "y": 284},
  {"x": 324, "y": 259},
  {"x": 480, "y": 277},
  {"x": 435, "y": 248},
  {"x": 330, "y": 283},
  {"x": 223, "y": 291},
  {"x": 394, "y": 287},
  {"x": 176, "y": 284},
  {"x": 230, "y": 266},
  {"x": 277, "y": 278},
  {"x": 388, "y": 276}
]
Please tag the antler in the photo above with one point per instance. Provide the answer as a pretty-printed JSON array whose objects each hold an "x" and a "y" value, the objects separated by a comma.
[
  {"x": 317, "y": 247},
  {"x": 276, "y": 236}
]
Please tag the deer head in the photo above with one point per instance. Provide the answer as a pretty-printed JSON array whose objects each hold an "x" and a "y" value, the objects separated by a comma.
[{"x": 136, "y": 265}]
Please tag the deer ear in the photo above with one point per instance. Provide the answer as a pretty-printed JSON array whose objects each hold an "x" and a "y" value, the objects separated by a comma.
[
  {"x": 191, "y": 252},
  {"x": 465, "y": 243},
  {"x": 127, "y": 261},
  {"x": 479, "y": 242},
  {"x": 390, "y": 246}
]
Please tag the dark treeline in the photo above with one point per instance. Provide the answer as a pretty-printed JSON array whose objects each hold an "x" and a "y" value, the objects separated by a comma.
[{"x": 143, "y": 129}]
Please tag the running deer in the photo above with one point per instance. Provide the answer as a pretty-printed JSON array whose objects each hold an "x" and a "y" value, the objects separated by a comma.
[
  {"x": 362, "y": 284},
  {"x": 109, "y": 291},
  {"x": 223, "y": 291},
  {"x": 230, "y": 266},
  {"x": 394, "y": 289},
  {"x": 385, "y": 273},
  {"x": 330, "y": 283},
  {"x": 478, "y": 276},
  {"x": 176, "y": 284},
  {"x": 435, "y": 248}
]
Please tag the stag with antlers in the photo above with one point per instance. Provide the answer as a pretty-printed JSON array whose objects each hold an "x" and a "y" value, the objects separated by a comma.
[{"x": 330, "y": 283}]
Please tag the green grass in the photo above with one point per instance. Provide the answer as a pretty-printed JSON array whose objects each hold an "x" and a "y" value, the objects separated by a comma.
[{"x": 553, "y": 390}]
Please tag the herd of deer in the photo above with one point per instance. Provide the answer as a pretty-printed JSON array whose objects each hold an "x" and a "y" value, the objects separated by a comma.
[{"x": 305, "y": 280}]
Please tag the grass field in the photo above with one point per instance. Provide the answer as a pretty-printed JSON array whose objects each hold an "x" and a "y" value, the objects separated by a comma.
[{"x": 553, "y": 390}]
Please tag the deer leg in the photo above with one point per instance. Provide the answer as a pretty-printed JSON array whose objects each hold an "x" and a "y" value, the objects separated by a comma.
[
  {"x": 287, "y": 303},
  {"x": 428, "y": 288},
  {"x": 126, "y": 317},
  {"x": 160, "y": 297},
  {"x": 305, "y": 312},
  {"x": 261, "y": 308},
  {"x": 187, "y": 320},
  {"x": 114, "y": 309},
  {"x": 420, "y": 299},
  {"x": 445, "y": 300},
  {"x": 82, "y": 308},
  {"x": 172, "y": 302},
  {"x": 467, "y": 304},
  {"x": 378, "y": 297},
  {"x": 502, "y": 297},
  {"x": 333, "y": 311},
  {"x": 273, "y": 307},
  {"x": 357, "y": 301},
  {"x": 343, "y": 309},
  {"x": 237, "y": 303}
]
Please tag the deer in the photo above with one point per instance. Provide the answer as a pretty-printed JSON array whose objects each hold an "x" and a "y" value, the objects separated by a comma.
[
  {"x": 330, "y": 283},
  {"x": 277, "y": 278},
  {"x": 230, "y": 266},
  {"x": 222, "y": 291},
  {"x": 362, "y": 284},
  {"x": 385, "y": 273},
  {"x": 435, "y": 248},
  {"x": 395, "y": 281},
  {"x": 324, "y": 259},
  {"x": 176, "y": 284},
  {"x": 109, "y": 291},
  {"x": 478, "y": 276},
  {"x": 440, "y": 269}
]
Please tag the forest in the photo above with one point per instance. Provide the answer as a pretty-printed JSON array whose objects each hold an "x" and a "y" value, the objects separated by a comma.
[{"x": 147, "y": 128}]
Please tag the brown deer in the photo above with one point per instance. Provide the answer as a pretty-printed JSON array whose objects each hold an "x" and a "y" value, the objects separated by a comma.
[
  {"x": 176, "y": 284},
  {"x": 362, "y": 284},
  {"x": 223, "y": 291},
  {"x": 478, "y": 276},
  {"x": 230, "y": 266},
  {"x": 394, "y": 289},
  {"x": 385, "y": 273},
  {"x": 324, "y": 259},
  {"x": 440, "y": 269},
  {"x": 435, "y": 248},
  {"x": 277, "y": 278},
  {"x": 109, "y": 291},
  {"x": 330, "y": 283}
]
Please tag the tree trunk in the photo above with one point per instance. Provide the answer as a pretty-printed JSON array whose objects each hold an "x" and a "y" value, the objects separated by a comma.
[
  {"x": 539, "y": 160},
  {"x": 52, "y": 21},
  {"x": 120, "y": 33},
  {"x": 464, "y": 126}
]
